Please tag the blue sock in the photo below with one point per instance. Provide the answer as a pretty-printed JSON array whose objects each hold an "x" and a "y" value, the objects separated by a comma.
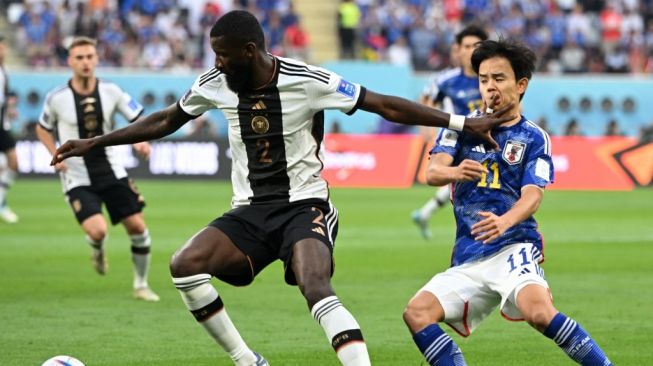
[
  {"x": 575, "y": 342},
  {"x": 438, "y": 348}
]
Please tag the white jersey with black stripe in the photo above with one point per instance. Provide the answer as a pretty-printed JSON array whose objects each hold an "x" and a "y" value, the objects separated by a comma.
[
  {"x": 276, "y": 132},
  {"x": 4, "y": 122},
  {"x": 70, "y": 115}
]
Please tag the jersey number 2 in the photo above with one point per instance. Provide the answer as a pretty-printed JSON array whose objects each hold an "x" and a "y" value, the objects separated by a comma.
[{"x": 264, "y": 147}]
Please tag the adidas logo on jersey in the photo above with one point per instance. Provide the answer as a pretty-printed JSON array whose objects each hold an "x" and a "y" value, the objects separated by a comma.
[
  {"x": 259, "y": 105},
  {"x": 480, "y": 148},
  {"x": 318, "y": 230}
]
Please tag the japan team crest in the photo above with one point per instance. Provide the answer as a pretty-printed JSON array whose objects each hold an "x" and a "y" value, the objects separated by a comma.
[{"x": 513, "y": 152}]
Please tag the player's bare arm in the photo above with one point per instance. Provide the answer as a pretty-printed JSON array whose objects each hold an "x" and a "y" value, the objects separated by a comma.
[
  {"x": 151, "y": 127},
  {"x": 492, "y": 226},
  {"x": 440, "y": 171},
  {"x": 404, "y": 111},
  {"x": 48, "y": 141}
]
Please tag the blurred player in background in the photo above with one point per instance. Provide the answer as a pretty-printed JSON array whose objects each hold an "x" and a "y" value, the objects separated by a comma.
[
  {"x": 498, "y": 249},
  {"x": 8, "y": 160},
  {"x": 281, "y": 208},
  {"x": 457, "y": 91},
  {"x": 83, "y": 108}
]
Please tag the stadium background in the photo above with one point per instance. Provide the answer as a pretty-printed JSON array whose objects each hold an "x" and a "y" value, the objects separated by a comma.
[{"x": 598, "y": 241}]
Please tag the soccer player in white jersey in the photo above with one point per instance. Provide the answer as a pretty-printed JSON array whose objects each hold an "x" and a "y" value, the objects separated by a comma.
[
  {"x": 82, "y": 108},
  {"x": 8, "y": 159},
  {"x": 281, "y": 208},
  {"x": 459, "y": 87},
  {"x": 498, "y": 249}
]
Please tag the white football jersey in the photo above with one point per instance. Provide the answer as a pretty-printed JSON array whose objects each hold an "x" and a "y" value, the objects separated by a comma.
[
  {"x": 70, "y": 115},
  {"x": 276, "y": 131},
  {"x": 4, "y": 87}
]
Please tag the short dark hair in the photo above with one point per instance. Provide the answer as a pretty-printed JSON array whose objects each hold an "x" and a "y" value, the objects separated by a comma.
[
  {"x": 471, "y": 30},
  {"x": 241, "y": 26},
  {"x": 521, "y": 58}
]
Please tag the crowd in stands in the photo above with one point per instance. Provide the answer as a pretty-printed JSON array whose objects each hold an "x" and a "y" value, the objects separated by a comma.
[
  {"x": 568, "y": 36},
  {"x": 152, "y": 34}
]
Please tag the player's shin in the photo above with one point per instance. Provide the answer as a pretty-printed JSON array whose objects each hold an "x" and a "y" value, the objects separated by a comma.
[
  {"x": 140, "y": 248},
  {"x": 575, "y": 342},
  {"x": 342, "y": 330},
  {"x": 438, "y": 348},
  {"x": 203, "y": 301}
]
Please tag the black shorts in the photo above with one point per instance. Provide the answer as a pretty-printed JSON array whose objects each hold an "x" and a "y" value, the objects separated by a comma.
[
  {"x": 121, "y": 198},
  {"x": 7, "y": 141},
  {"x": 267, "y": 232}
]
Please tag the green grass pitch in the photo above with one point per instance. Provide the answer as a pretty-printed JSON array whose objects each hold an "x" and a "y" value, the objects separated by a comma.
[{"x": 599, "y": 249}]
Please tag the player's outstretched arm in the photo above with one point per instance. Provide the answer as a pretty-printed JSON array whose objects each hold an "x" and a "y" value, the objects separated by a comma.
[
  {"x": 150, "y": 127},
  {"x": 407, "y": 112}
]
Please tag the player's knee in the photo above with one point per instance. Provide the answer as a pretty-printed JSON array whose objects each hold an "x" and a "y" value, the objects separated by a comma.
[
  {"x": 415, "y": 317},
  {"x": 184, "y": 263},
  {"x": 97, "y": 234},
  {"x": 539, "y": 316},
  {"x": 178, "y": 265},
  {"x": 134, "y": 225}
]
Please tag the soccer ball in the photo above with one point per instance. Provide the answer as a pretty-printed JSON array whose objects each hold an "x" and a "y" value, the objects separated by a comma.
[{"x": 63, "y": 361}]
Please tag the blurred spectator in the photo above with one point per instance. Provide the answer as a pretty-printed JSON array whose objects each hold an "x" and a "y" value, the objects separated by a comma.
[
  {"x": 348, "y": 21},
  {"x": 572, "y": 128},
  {"x": 611, "y": 20},
  {"x": 399, "y": 53},
  {"x": 544, "y": 124},
  {"x": 572, "y": 57},
  {"x": 646, "y": 133},
  {"x": 295, "y": 42},
  {"x": 617, "y": 60},
  {"x": 612, "y": 129},
  {"x": 157, "y": 53}
]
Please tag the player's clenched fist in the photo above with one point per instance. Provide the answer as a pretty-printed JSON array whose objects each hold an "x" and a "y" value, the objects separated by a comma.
[{"x": 469, "y": 170}]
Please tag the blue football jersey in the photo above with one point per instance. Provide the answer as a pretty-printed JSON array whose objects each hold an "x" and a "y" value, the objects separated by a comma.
[
  {"x": 524, "y": 159},
  {"x": 462, "y": 90}
]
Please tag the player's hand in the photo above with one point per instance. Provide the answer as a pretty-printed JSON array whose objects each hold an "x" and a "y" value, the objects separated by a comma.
[
  {"x": 481, "y": 126},
  {"x": 490, "y": 228},
  {"x": 61, "y": 167},
  {"x": 71, "y": 148},
  {"x": 469, "y": 170},
  {"x": 143, "y": 149}
]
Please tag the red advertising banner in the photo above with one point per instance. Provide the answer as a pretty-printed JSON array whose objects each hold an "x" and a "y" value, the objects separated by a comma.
[
  {"x": 381, "y": 161},
  {"x": 594, "y": 163},
  {"x": 586, "y": 163}
]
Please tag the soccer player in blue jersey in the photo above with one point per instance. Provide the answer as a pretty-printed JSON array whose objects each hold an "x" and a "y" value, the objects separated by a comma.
[
  {"x": 496, "y": 257},
  {"x": 459, "y": 87}
]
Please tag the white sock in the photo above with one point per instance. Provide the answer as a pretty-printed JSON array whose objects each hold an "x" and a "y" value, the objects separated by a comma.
[
  {"x": 428, "y": 209},
  {"x": 7, "y": 177},
  {"x": 203, "y": 301},
  {"x": 97, "y": 245},
  {"x": 141, "y": 257},
  {"x": 342, "y": 330},
  {"x": 442, "y": 196},
  {"x": 3, "y": 194}
]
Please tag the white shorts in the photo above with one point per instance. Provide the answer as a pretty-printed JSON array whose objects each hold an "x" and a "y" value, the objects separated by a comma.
[{"x": 470, "y": 292}]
